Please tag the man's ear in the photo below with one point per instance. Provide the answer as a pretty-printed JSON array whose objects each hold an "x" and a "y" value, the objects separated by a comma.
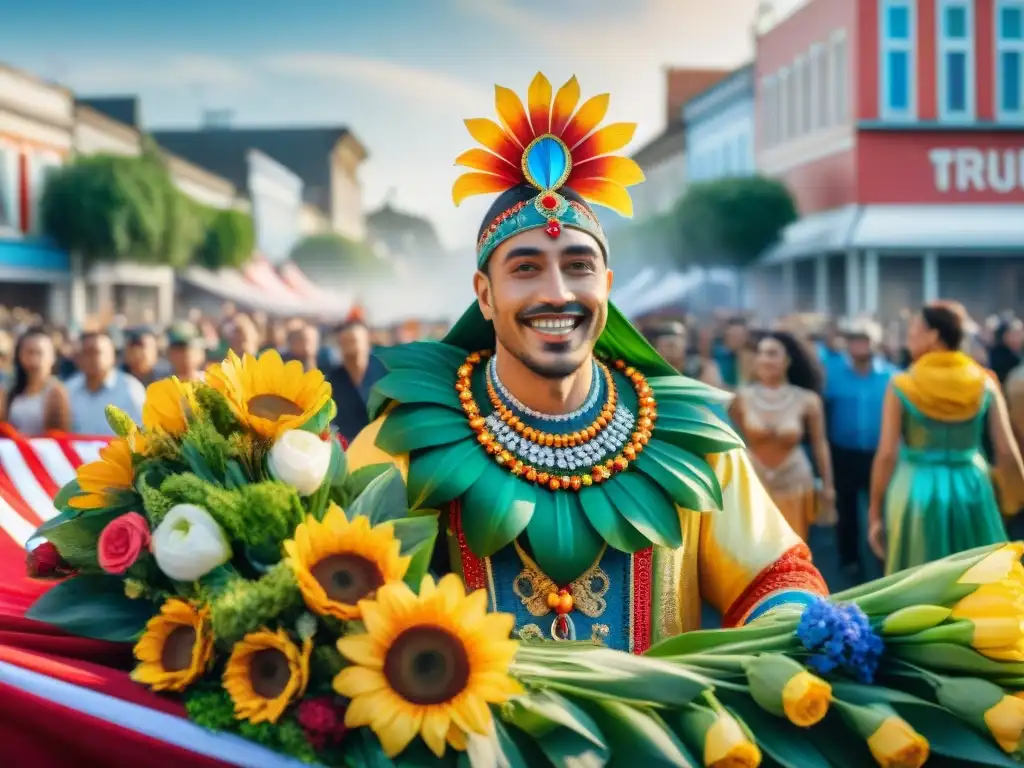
[
  {"x": 611, "y": 279},
  {"x": 482, "y": 286}
]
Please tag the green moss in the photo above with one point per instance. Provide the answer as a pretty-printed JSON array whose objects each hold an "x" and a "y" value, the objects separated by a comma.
[
  {"x": 119, "y": 421},
  {"x": 325, "y": 664},
  {"x": 245, "y": 606},
  {"x": 217, "y": 410},
  {"x": 156, "y": 503},
  {"x": 209, "y": 445},
  {"x": 212, "y": 709}
]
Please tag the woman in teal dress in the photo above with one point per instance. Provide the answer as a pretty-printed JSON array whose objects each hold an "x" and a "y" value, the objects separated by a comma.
[{"x": 930, "y": 476}]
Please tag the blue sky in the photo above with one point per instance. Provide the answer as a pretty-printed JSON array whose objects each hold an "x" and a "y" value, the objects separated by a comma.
[{"x": 402, "y": 74}]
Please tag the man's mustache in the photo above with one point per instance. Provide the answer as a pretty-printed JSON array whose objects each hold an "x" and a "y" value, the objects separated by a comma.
[{"x": 542, "y": 310}]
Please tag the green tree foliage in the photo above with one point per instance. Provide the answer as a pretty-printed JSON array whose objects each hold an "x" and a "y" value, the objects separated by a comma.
[
  {"x": 732, "y": 221},
  {"x": 228, "y": 241},
  {"x": 107, "y": 207},
  {"x": 352, "y": 258}
]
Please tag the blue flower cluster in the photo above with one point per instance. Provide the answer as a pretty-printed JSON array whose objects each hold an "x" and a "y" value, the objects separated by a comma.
[{"x": 840, "y": 637}]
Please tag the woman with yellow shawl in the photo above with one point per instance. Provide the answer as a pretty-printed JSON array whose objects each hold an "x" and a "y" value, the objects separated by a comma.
[{"x": 929, "y": 469}]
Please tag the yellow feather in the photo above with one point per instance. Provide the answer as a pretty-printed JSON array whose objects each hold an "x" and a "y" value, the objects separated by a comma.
[
  {"x": 539, "y": 100},
  {"x": 606, "y": 140},
  {"x": 586, "y": 120},
  {"x": 566, "y": 99},
  {"x": 469, "y": 184},
  {"x": 513, "y": 115},
  {"x": 622, "y": 170},
  {"x": 607, "y": 193},
  {"x": 482, "y": 160},
  {"x": 493, "y": 137}
]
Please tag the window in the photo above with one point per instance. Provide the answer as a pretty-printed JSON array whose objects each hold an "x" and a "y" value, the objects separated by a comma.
[
  {"x": 769, "y": 109},
  {"x": 784, "y": 130},
  {"x": 793, "y": 116},
  {"x": 43, "y": 166},
  {"x": 798, "y": 102},
  {"x": 955, "y": 20},
  {"x": 9, "y": 212},
  {"x": 807, "y": 95},
  {"x": 899, "y": 34},
  {"x": 1010, "y": 60},
  {"x": 839, "y": 79},
  {"x": 819, "y": 88}
]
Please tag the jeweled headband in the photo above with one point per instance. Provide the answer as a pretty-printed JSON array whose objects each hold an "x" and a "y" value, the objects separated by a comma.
[{"x": 550, "y": 145}]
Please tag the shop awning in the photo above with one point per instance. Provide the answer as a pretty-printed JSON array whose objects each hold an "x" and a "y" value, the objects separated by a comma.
[
  {"x": 231, "y": 285},
  {"x": 825, "y": 232},
  {"x": 992, "y": 228},
  {"x": 32, "y": 260},
  {"x": 297, "y": 281}
]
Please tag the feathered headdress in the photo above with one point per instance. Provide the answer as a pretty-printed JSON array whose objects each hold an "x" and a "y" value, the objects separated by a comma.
[{"x": 548, "y": 144}]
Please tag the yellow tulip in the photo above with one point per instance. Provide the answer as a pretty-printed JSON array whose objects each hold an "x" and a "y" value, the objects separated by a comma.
[
  {"x": 726, "y": 745},
  {"x": 805, "y": 699},
  {"x": 1002, "y": 564},
  {"x": 896, "y": 745},
  {"x": 996, "y": 613},
  {"x": 999, "y": 598},
  {"x": 1005, "y": 721}
]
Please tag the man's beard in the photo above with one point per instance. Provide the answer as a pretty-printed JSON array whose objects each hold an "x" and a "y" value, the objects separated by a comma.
[{"x": 563, "y": 366}]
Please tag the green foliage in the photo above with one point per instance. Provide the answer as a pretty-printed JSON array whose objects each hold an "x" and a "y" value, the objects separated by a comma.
[
  {"x": 215, "y": 407},
  {"x": 349, "y": 257},
  {"x": 94, "y": 607},
  {"x": 119, "y": 421},
  {"x": 228, "y": 240},
  {"x": 243, "y": 606},
  {"x": 109, "y": 207},
  {"x": 732, "y": 221}
]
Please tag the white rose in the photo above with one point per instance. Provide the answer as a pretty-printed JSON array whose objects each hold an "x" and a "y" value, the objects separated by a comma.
[
  {"x": 188, "y": 543},
  {"x": 300, "y": 459}
]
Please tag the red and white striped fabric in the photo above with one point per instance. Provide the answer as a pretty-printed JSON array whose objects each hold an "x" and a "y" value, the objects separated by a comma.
[{"x": 262, "y": 274}]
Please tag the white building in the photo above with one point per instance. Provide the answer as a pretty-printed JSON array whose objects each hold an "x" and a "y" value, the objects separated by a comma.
[
  {"x": 276, "y": 195},
  {"x": 720, "y": 129}
]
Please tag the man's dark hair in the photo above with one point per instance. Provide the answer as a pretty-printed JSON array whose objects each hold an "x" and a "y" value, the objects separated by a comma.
[
  {"x": 948, "y": 319},
  {"x": 93, "y": 335},
  {"x": 348, "y": 325}
]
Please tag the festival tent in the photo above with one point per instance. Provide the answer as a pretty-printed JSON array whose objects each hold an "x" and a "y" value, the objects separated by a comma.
[{"x": 68, "y": 700}]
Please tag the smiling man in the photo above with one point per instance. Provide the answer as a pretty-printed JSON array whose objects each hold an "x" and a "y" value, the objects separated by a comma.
[{"x": 581, "y": 481}]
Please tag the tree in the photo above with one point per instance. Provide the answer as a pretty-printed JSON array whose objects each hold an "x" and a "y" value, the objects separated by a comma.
[
  {"x": 732, "y": 221},
  {"x": 228, "y": 241},
  {"x": 350, "y": 258},
  {"x": 110, "y": 207}
]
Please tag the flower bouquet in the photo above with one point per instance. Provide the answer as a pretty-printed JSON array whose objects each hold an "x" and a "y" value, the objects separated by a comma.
[{"x": 287, "y": 600}]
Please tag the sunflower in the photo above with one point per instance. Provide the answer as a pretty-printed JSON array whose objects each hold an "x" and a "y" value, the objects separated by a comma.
[
  {"x": 265, "y": 673},
  {"x": 100, "y": 481},
  {"x": 169, "y": 405},
  {"x": 427, "y": 664},
  {"x": 337, "y": 563},
  {"x": 268, "y": 395},
  {"x": 176, "y": 647}
]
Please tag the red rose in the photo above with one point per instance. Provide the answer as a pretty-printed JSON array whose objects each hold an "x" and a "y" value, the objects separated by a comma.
[
  {"x": 121, "y": 542},
  {"x": 323, "y": 720},
  {"x": 45, "y": 562}
]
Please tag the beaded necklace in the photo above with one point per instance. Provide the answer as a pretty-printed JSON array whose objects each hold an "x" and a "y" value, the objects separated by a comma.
[{"x": 581, "y": 458}]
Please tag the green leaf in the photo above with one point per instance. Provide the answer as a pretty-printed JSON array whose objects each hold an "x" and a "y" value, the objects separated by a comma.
[
  {"x": 563, "y": 542},
  {"x": 563, "y": 748},
  {"x": 94, "y": 607},
  {"x": 419, "y": 387},
  {"x": 75, "y": 535},
  {"x": 951, "y": 737},
  {"x": 683, "y": 388},
  {"x": 418, "y": 536},
  {"x": 839, "y": 744},
  {"x": 647, "y": 508},
  {"x": 384, "y": 498},
  {"x": 540, "y": 713},
  {"x": 638, "y": 736},
  {"x": 710, "y": 639},
  {"x": 216, "y": 580},
  {"x": 687, "y": 478},
  {"x": 950, "y": 657},
  {"x": 363, "y": 750},
  {"x": 65, "y": 494},
  {"x": 439, "y": 475},
  {"x": 415, "y": 427},
  {"x": 356, "y": 482},
  {"x": 495, "y": 510},
  {"x": 422, "y": 356},
  {"x": 694, "y": 428},
  {"x": 234, "y": 475},
  {"x": 197, "y": 464},
  {"x": 779, "y": 739},
  {"x": 607, "y": 521}
]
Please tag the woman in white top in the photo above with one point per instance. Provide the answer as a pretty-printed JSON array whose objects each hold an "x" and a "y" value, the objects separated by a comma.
[{"x": 36, "y": 402}]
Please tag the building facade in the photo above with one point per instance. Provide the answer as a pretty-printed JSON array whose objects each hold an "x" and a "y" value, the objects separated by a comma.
[
  {"x": 36, "y": 127},
  {"x": 276, "y": 195},
  {"x": 899, "y": 127},
  {"x": 719, "y": 129}
]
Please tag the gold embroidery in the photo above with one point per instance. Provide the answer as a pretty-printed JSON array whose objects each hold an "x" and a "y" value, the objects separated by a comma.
[
  {"x": 532, "y": 588},
  {"x": 531, "y": 632},
  {"x": 599, "y": 633}
]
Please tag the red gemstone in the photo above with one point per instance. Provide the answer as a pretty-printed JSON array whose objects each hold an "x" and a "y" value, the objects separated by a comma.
[
  {"x": 549, "y": 202},
  {"x": 554, "y": 229}
]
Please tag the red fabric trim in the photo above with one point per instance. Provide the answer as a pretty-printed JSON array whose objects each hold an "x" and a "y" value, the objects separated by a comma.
[
  {"x": 31, "y": 460},
  {"x": 9, "y": 493},
  {"x": 643, "y": 586},
  {"x": 68, "y": 450},
  {"x": 23, "y": 192},
  {"x": 474, "y": 571},
  {"x": 794, "y": 570}
]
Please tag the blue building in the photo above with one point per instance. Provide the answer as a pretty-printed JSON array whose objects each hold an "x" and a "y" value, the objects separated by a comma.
[{"x": 720, "y": 129}]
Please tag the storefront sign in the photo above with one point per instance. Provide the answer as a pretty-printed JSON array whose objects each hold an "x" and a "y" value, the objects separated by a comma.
[{"x": 969, "y": 169}]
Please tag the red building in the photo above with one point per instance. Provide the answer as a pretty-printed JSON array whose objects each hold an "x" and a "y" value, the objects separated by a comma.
[{"x": 899, "y": 127}]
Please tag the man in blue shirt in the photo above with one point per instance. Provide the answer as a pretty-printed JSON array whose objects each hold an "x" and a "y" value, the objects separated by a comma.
[
  {"x": 855, "y": 389},
  {"x": 101, "y": 383}
]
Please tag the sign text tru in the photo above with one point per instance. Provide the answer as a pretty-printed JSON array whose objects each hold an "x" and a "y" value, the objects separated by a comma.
[{"x": 968, "y": 169}]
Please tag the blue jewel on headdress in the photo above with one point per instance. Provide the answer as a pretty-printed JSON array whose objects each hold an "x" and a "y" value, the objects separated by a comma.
[{"x": 546, "y": 162}]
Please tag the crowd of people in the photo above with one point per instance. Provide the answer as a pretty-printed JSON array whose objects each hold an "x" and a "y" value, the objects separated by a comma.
[{"x": 826, "y": 427}]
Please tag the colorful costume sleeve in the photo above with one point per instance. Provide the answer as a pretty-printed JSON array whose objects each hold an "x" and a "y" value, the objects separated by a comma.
[{"x": 751, "y": 561}]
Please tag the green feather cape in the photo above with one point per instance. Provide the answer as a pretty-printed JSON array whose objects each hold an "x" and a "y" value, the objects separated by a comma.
[{"x": 566, "y": 530}]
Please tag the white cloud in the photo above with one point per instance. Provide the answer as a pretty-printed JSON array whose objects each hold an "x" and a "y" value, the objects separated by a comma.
[
  {"x": 409, "y": 82},
  {"x": 184, "y": 70}
]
